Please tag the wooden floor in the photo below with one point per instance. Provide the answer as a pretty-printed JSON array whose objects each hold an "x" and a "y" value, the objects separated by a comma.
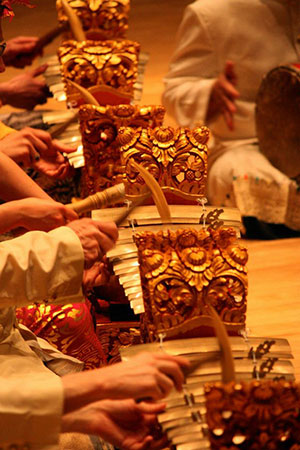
[
  {"x": 274, "y": 267},
  {"x": 274, "y": 291}
]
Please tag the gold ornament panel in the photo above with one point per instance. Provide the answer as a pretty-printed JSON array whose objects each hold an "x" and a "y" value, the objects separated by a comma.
[
  {"x": 99, "y": 130},
  {"x": 102, "y": 67},
  {"x": 182, "y": 271},
  {"x": 101, "y": 19},
  {"x": 253, "y": 416},
  {"x": 177, "y": 158}
]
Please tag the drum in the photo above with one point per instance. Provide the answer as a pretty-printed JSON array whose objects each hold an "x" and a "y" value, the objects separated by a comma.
[{"x": 278, "y": 118}]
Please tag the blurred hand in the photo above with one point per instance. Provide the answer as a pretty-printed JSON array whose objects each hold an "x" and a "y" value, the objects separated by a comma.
[
  {"x": 148, "y": 375},
  {"x": 43, "y": 215},
  {"x": 124, "y": 423},
  {"x": 35, "y": 148},
  {"x": 25, "y": 90},
  {"x": 96, "y": 239},
  {"x": 20, "y": 51},
  {"x": 223, "y": 96},
  {"x": 97, "y": 275}
]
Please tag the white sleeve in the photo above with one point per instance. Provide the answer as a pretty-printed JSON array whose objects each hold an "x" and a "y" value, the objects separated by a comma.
[
  {"x": 31, "y": 411},
  {"x": 41, "y": 267},
  {"x": 193, "y": 70}
]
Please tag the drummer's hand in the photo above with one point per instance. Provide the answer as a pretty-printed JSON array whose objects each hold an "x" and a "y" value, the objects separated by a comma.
[
  {"x": 35, "y": 148},
  {"x": 20, "y": 51},
  {"x": 223, "y": 96},
  {"x": 26, "y": 90}
]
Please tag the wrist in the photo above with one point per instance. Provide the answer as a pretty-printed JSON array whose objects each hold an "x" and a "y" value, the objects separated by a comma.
[
  {"x": 79, "y": 392},
  {"x": 12, "y": 216}
]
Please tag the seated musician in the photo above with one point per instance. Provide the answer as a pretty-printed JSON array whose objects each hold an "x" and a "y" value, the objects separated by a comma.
[
  {"x": 223, "y": 50},
  {"x": 36, "y": 405},
  {"x": 70, "y": 328}
]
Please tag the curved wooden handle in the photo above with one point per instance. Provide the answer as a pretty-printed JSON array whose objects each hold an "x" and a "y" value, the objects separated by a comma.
[
  {"x": 75, "y": 24},
  {"x": 227, "y": 362},
  {"x": 99, "y": 200}
]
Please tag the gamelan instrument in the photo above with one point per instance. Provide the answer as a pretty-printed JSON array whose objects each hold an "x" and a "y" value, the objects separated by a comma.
[
  {"x": 98, "y": 26},
  {"x": 277, "y": 118},
  {"x": 178, "y": 160},
  {"x": 173, "y": 273}
]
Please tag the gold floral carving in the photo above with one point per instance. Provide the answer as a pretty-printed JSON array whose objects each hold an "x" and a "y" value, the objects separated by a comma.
[
  {"x": 177, "y": 158},
  {"x": 182, "y": 271},
  {"x": 101, "y": 19},
  {"x": 99, "y": 129},
  {"x": 254, "y": 416},
  {"x": 107, "y": 69},
  {"x": 114, "y": 336}
]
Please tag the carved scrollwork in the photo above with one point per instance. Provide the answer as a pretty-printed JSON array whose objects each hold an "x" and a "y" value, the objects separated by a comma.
[
  {"x": 254, "y": 416},
  {"x": 101, "y": 19},
  {"x": 107, "y": 69},
  {"x": 177, "y": 158},
  {"x": 99, "y": 129},
  {"x": 113, "y": 336},
  {"x": 182, "y": 271}
]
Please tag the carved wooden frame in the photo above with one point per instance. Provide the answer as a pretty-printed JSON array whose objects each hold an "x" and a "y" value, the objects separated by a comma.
[{"x": 101, "y": 19}]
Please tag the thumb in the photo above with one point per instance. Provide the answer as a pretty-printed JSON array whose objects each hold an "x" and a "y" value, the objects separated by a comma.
[
  {"x": 39, "y": 70},
  {"x": 62, "y": 148}
]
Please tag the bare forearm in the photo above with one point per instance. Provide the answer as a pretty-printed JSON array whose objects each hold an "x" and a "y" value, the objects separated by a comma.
[
  {"x": 79, "y": 392},
  {"x": 9, "y": 216},
  {"x": 15, "y": 184}
]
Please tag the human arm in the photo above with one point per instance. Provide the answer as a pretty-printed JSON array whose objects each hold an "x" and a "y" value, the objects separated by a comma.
[
  {"x": 35, "y": 148},
  {"x": 25, "y": 90},
  {"x": 14, "y": 183},
  {"x": 20, "y": 51},
  {"x": 146, "y": 376},
  {"x": 34, "y": 214},
  {"x": 124, "y": 423}
]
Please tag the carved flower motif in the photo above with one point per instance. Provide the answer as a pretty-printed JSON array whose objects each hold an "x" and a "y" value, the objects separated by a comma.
[
  {"x": 153, "y": 263},
  {"x": 224, "y": 237},
  {"x": 236, "y": 256},
  {"x": 263, "y": 403},
  {"x": 199, "y": 137},
  {"x": 164, "y": 136},
  {"x": 196, "y": 258},
  {"x": 127, "y": 137},
  {"x": 187, "y": 238},
  {"x": 189, "y": 171},
  {"x": 174, "y": 296},
  {"x": 82, "y": 72}
]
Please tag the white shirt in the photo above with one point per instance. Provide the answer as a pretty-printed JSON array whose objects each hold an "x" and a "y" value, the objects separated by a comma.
[
  {"x": 256, "y": 35},
  {"x": 33, "y": 267}
]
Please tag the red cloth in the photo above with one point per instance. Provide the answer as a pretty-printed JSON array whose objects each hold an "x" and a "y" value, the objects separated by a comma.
[{"x": 69, "y": 328}]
